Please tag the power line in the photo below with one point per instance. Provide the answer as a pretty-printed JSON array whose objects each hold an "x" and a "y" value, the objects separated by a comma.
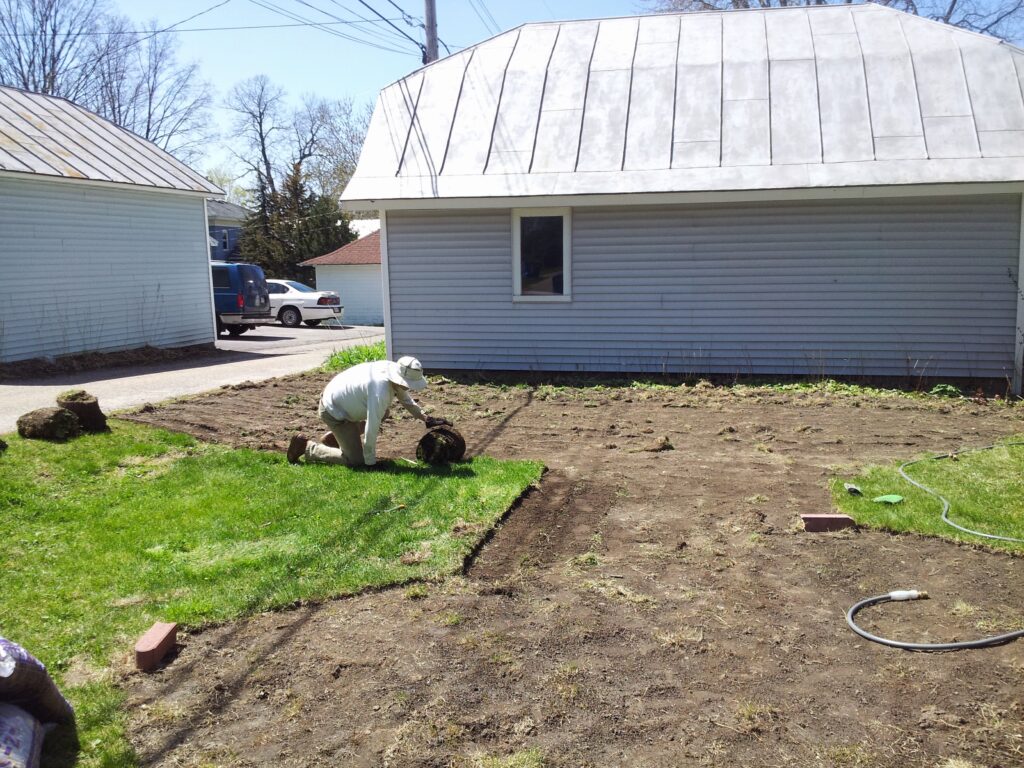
[
  {"x": 376, "y": 29},
  {"x": 211, "y": 29},
  {"x": 406, "y": 17},
  {"x": 266, "y": 5},
  {"x": 391, "y": 24},
  {"x": 385, "y": 45},
  {"x": 416, "y": 22},
  {"x": 152, "y": 34},
  {"x": 480, "y": 10}
]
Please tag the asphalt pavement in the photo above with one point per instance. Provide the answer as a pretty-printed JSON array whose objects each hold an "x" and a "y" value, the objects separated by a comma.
[{"x": 264, "y": 353}]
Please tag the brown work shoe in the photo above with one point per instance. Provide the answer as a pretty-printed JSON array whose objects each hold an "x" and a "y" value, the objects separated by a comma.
[{"x": 297, "y": 448}]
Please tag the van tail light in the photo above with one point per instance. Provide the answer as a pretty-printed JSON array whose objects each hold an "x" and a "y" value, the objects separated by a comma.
[{"x": 241, "y": 301}]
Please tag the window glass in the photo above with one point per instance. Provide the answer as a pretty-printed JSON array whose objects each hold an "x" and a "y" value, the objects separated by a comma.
[
  {"x": 221, "y": 278},
  {"x": 250, "y": 273},
  {"x": 301, "y": 287},
  {"x": 275, "y": 288},
  {"x": 541, "y": 260}
]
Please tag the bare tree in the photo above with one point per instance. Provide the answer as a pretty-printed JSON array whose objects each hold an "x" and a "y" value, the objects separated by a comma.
[
  {"x": 76, "y": 49},
  {"x": 48, "y": 46},
  {"x": 341, "y": 139},
  {"x": 322, "y": 138},
  {"x": 1001, "y": 18},
  {"x": 260, "y": 123},
  {"x": 140, "y": 85}
]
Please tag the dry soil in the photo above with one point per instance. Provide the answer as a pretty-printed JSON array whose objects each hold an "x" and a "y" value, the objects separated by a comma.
[{"x": 641, "y": 608}]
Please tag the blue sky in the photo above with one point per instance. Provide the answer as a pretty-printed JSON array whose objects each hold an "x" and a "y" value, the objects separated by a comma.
[{"x": 307, "y": 59}]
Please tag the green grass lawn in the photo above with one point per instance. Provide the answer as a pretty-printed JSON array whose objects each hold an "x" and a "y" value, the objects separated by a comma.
[
  {"x": 103, "y": 535},
  {"x": 361, "y": 353},
  {"x": 985, "y": 491}
]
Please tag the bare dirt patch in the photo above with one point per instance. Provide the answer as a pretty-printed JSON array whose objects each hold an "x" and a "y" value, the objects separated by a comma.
[{"x": 640, "y": 608}]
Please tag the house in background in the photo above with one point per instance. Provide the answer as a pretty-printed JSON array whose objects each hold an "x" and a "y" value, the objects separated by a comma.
[
  {"x": 103, "y": 240},
  {"x": 353, "y": 272},
  {"x": 818, "y": 190},
  {"x": 225, "y": 222}
]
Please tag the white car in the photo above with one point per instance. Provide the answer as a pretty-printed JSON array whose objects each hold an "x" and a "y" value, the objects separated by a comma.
[{"x": 292, "y": 303}]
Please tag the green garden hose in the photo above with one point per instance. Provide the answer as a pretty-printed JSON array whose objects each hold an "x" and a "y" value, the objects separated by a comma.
[{"x": 913, "y": 594}]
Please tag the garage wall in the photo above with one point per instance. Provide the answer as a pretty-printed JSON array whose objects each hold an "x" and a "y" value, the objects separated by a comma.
[
  {"x": 359, "y": 286},
  {"x": 899, "y": 287},
  {"x": 87, "y": 268}
]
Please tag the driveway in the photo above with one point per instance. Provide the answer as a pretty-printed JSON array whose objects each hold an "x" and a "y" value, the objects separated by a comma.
[{"x": 264, "y": 353}]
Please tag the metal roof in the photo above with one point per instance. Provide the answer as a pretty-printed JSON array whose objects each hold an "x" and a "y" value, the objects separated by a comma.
[
  {"x": 49, "y": 136},
  {"x": 819, "y": 96}
]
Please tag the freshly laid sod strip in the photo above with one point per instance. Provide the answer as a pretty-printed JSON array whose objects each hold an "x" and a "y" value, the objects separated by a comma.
[
  {"x": 103, "y": 535},
  {"x": 985, "y": 491}
]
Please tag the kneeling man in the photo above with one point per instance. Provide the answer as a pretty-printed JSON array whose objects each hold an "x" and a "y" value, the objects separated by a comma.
[{"x": 353, "y": 405}]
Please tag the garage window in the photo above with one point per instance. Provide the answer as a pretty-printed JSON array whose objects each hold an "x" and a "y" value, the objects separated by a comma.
[{"x": 541, "y": 248}]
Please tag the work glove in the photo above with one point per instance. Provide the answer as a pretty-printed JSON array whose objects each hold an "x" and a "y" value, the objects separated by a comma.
[{"x": 437, "y": 421}]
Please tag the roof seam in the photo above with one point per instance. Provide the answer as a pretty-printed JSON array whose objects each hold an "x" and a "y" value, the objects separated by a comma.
[
  {"x": 139, "y": 146},
  {"x": 455, "y": 112},
  {"x": 675, "y": 94},
  {"x": 817, "y": 91},
  {"x": 917, "y": 88},
  {"x": 26, "y": 150},
  {"x": 540, "y": 106},
  {"x": 135, "y": 138},
  {"x": 413, "y": 116},
  {"x": 103, "y": 141},
  {"x": 629, "y": 96},
  {"x": 497, "y": 108},
  {"x": 768, "y": 86},
  {"x": 586, "y": 93},
  {"x": 721, "y": 91},
  {"x": 57, "y": 129},
  {"x": 867, "y": 87}
]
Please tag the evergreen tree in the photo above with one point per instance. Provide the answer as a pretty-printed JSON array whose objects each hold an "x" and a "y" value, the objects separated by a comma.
[{"x": 291, "y": 225}]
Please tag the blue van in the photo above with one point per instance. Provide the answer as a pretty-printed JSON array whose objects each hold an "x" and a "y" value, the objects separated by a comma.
[{"x": 240, "y": 297}]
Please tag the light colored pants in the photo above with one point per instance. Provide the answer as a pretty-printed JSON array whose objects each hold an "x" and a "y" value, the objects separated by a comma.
[{"x": 349, "y": 435}]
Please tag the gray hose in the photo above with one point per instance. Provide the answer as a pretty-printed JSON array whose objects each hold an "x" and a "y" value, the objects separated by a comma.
[{"x": 913, "y": 594}]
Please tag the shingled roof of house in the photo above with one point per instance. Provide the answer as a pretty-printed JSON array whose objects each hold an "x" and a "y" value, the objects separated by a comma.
[{"x": 365, "y": 250}]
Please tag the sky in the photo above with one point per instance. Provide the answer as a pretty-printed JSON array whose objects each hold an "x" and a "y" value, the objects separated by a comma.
[{"x": 307, "y": 59}]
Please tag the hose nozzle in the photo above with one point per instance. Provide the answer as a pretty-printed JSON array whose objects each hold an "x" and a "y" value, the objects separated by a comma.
[{"x": 908, "y": 594}]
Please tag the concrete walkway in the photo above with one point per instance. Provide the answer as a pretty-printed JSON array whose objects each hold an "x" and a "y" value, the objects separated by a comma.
[{"x": 264, "y": 353}]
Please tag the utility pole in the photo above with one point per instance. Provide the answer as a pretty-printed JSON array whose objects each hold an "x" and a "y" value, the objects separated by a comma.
[{"x": 430, "y": 18}]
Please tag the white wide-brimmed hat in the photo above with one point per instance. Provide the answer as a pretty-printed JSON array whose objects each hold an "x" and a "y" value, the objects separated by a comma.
[{"x": 407, "y": 372}]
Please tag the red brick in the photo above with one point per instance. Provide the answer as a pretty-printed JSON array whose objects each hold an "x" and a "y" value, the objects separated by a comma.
[
  {"x": 826, "y": 523},
  {"x": 154, "y": 645}
]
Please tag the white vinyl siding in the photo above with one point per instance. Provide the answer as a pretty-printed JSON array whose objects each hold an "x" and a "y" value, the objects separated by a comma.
[
  {"x": 91, "y": 269},
  {"x": 901, "y": 287},
  {"x": 359, "y": 286}
]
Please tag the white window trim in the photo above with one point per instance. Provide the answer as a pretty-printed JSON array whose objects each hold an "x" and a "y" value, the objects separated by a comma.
[{"x": 517, "y": 272}]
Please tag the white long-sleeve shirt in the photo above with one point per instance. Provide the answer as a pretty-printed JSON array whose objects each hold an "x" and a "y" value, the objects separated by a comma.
[{"x": 364, "y": 393}]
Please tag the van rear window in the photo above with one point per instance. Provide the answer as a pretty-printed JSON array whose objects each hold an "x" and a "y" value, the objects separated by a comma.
[
  {"x": 221, "y": 278},
  {"x": 250, "y": 273}
]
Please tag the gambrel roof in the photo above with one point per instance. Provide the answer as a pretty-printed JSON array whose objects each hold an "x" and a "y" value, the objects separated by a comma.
[
  {"x": 821, "y": 96},
  {"x": 54, "y": 137}
]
